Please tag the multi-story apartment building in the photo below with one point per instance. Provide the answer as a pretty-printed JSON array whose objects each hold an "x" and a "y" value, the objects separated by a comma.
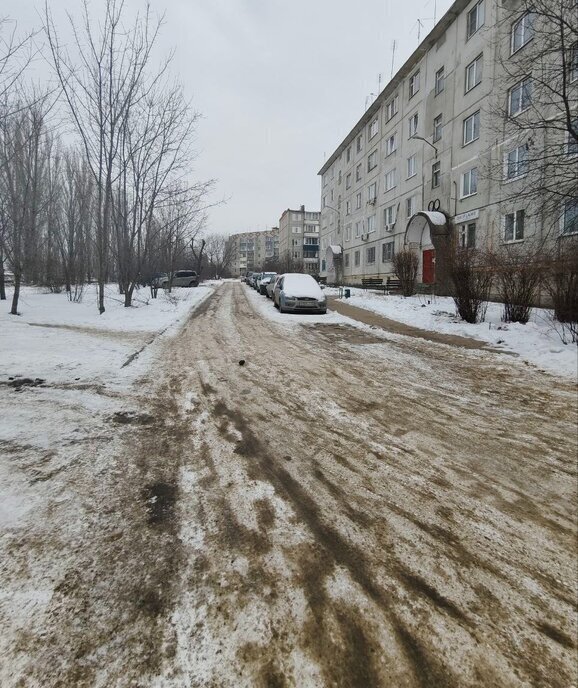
[
  {"x": 299, "y": 238},
  {"x": 249, "y": 250},
  {"x": 419, "y": 167}
]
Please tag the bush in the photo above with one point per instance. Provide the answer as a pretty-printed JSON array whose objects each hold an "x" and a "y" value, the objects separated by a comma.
[
  {"x": 472, "y": 281},
  {"x": 518, "y": 273},
  {"x": 562, "y": 286},
  {"x": 405, "y": 264}
]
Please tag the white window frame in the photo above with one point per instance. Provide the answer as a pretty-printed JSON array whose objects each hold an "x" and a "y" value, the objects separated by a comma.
[
  {"x": 373, "y": 128},
  {"x": 391, "y": 144},
  {"x": 359, "y": 143},
  {"x": 391, "y": 108},
  {"x": 358, "y": 172},
  {"x": 390, "y": 176},
  {"x": 357, "y": 258},
  {"x": 347, "y": 235},
  {"x": 515, "y": 228},
  {"x": 348, "y": 207},
  {"x": 520, "y": 97},
  {"x": 440, "y": 81},
  {"x": 372, "y": 192},
  {"x": 358, "y": 228},
  {"x": 358, "y": 200},
  {"x": 526, "y": 22},
  {"x": 410, "y": 205},
  {"x": 348, "y": 180},
  {"x": 475, "y": 118},
  {"x": 413, "y": 84},
  {"x": 563, "y": 231},
  {"x": 479, "y": 11},
  {"x": 437, "y": 127},
  {"x": 368, "y": 260},
  {"x": 411, "y": 166},
  {"x": 471, "y": 176},
  {"x": 436, "y": 173},
  {"x": 372, "y": 161},
  {"x": 474, "y": 73},
  {"x": 371, "y": 224},
  {"x": 464, "y": 235},
  {"x": 389, "y": 216},
  {"x": 515, "y": 164},
  {"x": 413, "y": 123}
]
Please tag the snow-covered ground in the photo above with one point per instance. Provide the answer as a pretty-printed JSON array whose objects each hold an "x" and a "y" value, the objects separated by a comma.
[
  {"x": 539, "y": 342},
  {"x": 61, "y": 341}
]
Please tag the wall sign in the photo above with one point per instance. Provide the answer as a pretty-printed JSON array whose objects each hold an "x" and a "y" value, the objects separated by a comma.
[{"x": 466, "y": 217}]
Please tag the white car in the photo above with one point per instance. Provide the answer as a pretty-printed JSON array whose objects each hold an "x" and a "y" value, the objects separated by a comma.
[{"x": 296, "y": 292}]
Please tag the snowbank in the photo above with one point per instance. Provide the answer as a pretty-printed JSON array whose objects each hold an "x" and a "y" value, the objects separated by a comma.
[{"x": 539, "y": 342}]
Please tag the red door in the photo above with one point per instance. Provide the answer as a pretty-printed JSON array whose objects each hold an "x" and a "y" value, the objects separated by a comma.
[{"x": 429, "y": 266}]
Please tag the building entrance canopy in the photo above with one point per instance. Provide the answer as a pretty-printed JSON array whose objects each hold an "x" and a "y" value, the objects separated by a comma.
[{"x": 422, "y": 226}]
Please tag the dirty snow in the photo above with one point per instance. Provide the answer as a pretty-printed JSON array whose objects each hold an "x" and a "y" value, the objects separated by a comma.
[{"x": 539, "y": 342}]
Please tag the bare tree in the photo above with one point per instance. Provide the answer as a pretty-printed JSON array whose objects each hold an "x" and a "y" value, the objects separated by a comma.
[
  {"x": 24, "y": 154},
  {"x": 101, "y": 84},
  {"x": 219, "y": 254},
  {"x": 536, "y": 91}
]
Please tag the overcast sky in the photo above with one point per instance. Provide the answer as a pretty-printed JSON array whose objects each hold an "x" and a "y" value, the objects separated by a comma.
[{"x": 279, "y": 84}]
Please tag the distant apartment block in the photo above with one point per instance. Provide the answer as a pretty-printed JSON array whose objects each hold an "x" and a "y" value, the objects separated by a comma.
[
  {"x": 299, "y": 238},
  {"x": 437, "y": 156},
  {"x": 250, "y": 250}
]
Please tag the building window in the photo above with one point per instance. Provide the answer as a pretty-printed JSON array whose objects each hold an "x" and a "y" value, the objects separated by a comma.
[
  {"x": 520, "y": 97},
  {"x": 371, "y": 224},
  {"x": 389, "y": 217},
  {"x": 411, "y": 171},
  {"x": 412, "y": 125},
  {"x": 391, "y": 109},
  {"x": 573, "y": 62},
  {"x": 472, "y": 128},
  {"x": 475, "y": 19},
  {"x": 331, "y": 195},
  {"x": 414, "y": 84},
  {"x": 437, "y": 128},
  {"x": 435, "y": 174},
  {"x": 440, "y": 81},
  {"x": 348, "y": 207},
  {"x": 296, "y": 230},
  {"x": 514, "y": 226},
  {"x": 470, "y": 182},
  {"x": 296, "y": 216},
  {"x": 571, "y": 140},
  {"x": 346, "y": 260},
  {"x": 522, "y": 32},
  {"x": 474, "y": 73},
  {"x": 358, "y": 173},
  {"x": 370, "y": 255},
  {"x": 410, "y": 206},
  {"x": 348, "y": 181},
  {"x": 373, "y": 128},
  {"x": 372, "y": 192},
  {"x": 359, "y": 143},
  {"x": 387, "y": 251},
  {"x": 339, "y": 177},
  {"x": 372, "y": 161},
  {"x": 347, "y": 232},
  {"x": 357, "y": 229},
  {"x": 348, "y": 154},
  {"x": 570, "y": 217},
  {"x": 390, "y": 145},
  {"x": 356, "y": 258},
  {"x": 517, "y": 162},
  {"x": 358, "y": 201},
  {"x": 467, "y": 235},
  {"x": 390, "y": 180}
]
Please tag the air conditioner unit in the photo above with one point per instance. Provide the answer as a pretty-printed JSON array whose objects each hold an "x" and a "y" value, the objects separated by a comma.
[
  {"x": 371, "y": 201},
  {"x": 364, "y": 237},
  {"x": 389, "y": 227}
]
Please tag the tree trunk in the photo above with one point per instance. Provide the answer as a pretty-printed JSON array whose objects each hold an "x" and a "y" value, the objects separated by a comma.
[
  {"x": 16, "y": 295},
  {"x": 2, "y": 282}
]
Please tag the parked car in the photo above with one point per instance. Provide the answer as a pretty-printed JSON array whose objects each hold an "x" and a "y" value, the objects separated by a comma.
[
  {"x": 181, "y": 278},
  {"x": 297, "y": 292},
  {"x": 254, "y": 277},
  {"x": 263, "y": 281},
  {"x": 271, "y": 286}
]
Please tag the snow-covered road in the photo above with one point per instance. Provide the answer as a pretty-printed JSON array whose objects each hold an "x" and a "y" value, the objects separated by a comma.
[{"x": 350, "y": 507}]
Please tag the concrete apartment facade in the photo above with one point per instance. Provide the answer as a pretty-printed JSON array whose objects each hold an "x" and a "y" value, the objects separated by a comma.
[
  {"x": 249, "y": 250},
  {"x": 416, "y": 168},
  {"x": 299, "y": 238}
]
